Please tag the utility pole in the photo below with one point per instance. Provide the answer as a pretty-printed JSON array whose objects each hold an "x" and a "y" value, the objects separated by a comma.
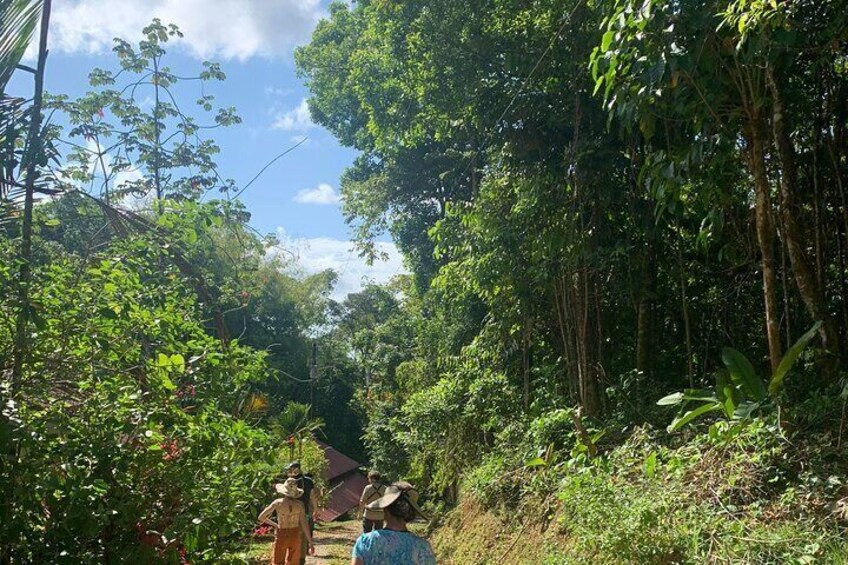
[{"x": 313, "y": 375}]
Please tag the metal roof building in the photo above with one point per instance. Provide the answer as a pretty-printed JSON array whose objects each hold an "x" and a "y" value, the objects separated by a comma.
[{"x": 346, "y": 483}]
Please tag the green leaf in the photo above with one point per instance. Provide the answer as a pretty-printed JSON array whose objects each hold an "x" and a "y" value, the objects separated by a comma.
[
  {"x": 671, "y": 399},
  {"x": 729, "y": 403},
  {"x": 606, "y": 40},
  {"x": 789, "y": 359},
  {"x": 19, "y": 19},
  {"x": 163, "y": 360},
  {"x": 650, "y": 465},
  {"x": 745, "y": 410},
  {"x": 743, "y": 375},
  {"x": 535, "y": 462},
  {"x": 681, "y": 421},
  {"x": 727, "y": 393},
  {"x": 177, "y": 361}
]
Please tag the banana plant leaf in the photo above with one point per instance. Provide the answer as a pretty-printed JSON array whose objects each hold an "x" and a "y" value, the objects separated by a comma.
[
  {"x": 681, "y": 421},
  {"x": 789, "y": 359},
  {"x": 743, "y": 375}
]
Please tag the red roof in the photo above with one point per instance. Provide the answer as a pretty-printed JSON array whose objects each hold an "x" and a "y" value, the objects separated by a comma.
[
  {"x": 344, "y": 495},
  {"x": 340, "y": 464}
]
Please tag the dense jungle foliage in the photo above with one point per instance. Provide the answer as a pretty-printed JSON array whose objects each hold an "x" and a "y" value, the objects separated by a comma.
[
  {"x": 604, "y": 205},
  {"x": 155, "y": 349},
  {"x": 625, "y": 325}
]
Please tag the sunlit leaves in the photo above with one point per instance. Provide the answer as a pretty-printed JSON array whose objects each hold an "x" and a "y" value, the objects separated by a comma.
[
  {"x": 137, "y": 411},
  {"x": 134, "y": 125}
]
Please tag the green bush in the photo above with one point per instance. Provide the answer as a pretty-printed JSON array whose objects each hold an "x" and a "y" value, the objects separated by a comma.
[
  {"x": 130, "y": 438},
  {"x": 626, "y": 523}
]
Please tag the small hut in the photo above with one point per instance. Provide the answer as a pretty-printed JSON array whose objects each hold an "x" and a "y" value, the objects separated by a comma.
[{"x": 345, "y": 481}]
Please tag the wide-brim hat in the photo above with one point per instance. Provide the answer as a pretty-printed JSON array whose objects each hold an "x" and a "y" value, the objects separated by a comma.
[
  {"x": 289, "y": 489},
  {"x": 395, "y": 491}
]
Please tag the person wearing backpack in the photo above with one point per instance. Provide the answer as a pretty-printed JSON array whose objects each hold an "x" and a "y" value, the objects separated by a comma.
[{"x": 372, "y": 519}]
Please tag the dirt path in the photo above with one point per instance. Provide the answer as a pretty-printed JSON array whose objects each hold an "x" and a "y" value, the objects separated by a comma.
[{"x": 334, "y": 542}]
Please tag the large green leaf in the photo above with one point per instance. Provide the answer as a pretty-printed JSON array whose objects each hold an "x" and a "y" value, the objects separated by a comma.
[
  {"x": 535, "y": 462},
  {"x": 18, "y": 20},
  {"x": 671, "y": 399},
  {"x": 681, "y": 421},
  {"x": 789, "y": 359},
  {"x": 743, "y": 375},
  {"x": 695, "y": 394},
  {"x": 727, "y": 393}
]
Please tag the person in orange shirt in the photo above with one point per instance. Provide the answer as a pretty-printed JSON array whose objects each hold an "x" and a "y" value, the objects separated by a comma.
[{"x": 290, "y": 524}]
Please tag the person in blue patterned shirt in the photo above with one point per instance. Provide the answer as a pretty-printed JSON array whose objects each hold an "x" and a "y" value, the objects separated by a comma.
[{"x": 394, "y": 544}]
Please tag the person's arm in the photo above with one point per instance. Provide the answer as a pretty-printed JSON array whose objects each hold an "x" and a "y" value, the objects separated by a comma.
[
  {"x": 263, "y": 516},
  {"x": 364, "y": 494},
  {"x": 304, "y": 527},
  {"x": 356, "y": 555}
]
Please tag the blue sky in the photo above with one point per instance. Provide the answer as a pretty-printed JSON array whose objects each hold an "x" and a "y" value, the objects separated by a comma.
[{"x": 254, "y": 40}]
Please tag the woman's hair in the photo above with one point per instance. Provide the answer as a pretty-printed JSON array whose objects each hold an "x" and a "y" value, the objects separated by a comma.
[
  {"x": 401, "y": 508},
  {"x": 374, "y": 475}
]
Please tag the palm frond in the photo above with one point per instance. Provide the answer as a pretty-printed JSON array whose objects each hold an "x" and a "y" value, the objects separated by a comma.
[
  {"x": 295, "y": 421},
  {"x": 11, "y": 129},
  {"x": 18, "y": 20},
  {"x": 15, "y": 118}
]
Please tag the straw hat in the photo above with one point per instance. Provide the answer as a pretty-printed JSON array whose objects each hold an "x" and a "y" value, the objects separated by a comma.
[
  {"x": 289, "y": 489},
  {"x": 395, "y": 491}
]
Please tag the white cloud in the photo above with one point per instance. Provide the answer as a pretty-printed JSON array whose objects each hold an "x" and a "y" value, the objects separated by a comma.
[
  {"x": 276, "y": 91},
  {"x": 231, "y": 29},
  {"x": 316, "y": 254},
  {"x": 321, "y": 194},
  {"x": 296, "y": 119}
]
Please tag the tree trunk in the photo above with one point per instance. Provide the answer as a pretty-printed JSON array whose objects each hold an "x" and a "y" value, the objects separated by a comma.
[
  {"x": 805, "y": 276},
  {"x": 21, "y": 339},
  {"x": 589, "y": 394},
  {"x": 600, "y": 373},
  {"x": 644, "y": 312},
  {"x": 787, "y": 310},
  {"x": 765, "y": 238},
  {"x": 834, "y": 135},
  {"x": 33, "y": 149},
  {"x": 684, "y": 306},
  {"x": 565, "y": 318},
  {"x": 525, "y": 359}
]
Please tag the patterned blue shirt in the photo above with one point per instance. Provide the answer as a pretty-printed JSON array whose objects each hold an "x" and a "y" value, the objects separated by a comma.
[{"x": 387, "y": 547}]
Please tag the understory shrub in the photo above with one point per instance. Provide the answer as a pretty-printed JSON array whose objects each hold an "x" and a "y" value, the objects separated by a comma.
[
  {"x": 130, "y": 439},
  {"x": 741, "y": 493}
]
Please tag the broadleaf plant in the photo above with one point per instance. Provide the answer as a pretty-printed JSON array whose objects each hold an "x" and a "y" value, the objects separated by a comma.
[{"x": 739, "y": 391}]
